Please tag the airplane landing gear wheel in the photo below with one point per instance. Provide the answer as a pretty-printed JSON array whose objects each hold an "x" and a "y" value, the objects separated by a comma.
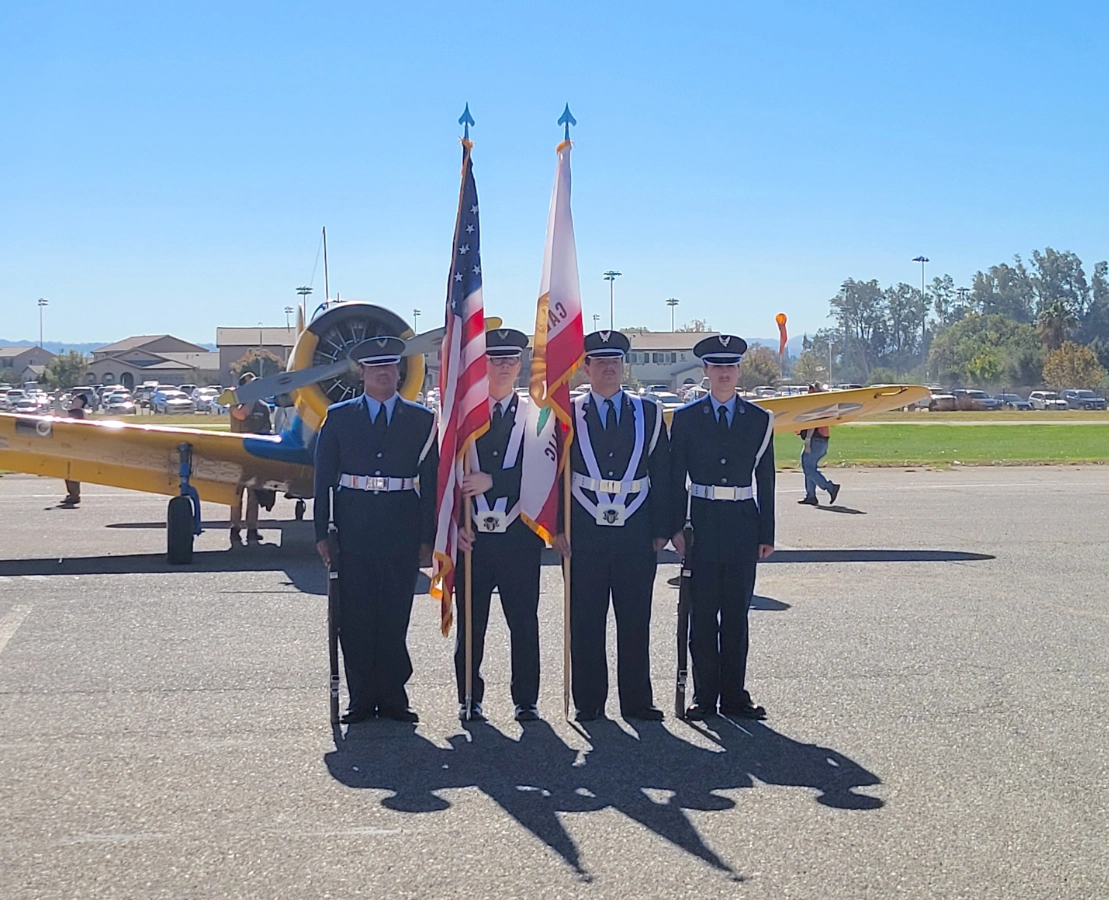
[
  {"x": 179, "y": 532},
  {"x": 298, "y": 512}
]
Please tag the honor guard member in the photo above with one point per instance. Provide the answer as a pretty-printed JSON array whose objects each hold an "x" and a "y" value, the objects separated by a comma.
[
  {"x": 377, "y": 454},
  {"x": 619, "y": 520},
  {"x": 506, "y": 553},
  {"x": 722, "y": 465}
]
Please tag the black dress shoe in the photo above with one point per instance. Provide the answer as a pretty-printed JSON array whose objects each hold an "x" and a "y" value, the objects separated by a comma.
[
  {"x": 809, "y": 501},
  {"x": 833, "y": 492},
  {"x": 354, "y": 716},
  {"x": 589, "y": 715},
  {"x": 476, "y": 715},
  {"x": 399, "y": 714},
  {"x": 527, "y": 713},
  {"x": 648, "y": 714},
  {"x": 744, "y": 711},
  {"x": 698, "y": 713}
]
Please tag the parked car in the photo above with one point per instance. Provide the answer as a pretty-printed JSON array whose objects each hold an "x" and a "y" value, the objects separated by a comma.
[
  {"x": 168, "y": 400},
  {"x": 1013, "y": 401},
  {"x": 25, "y": 406},
  {"x": 975, "y": 400},
  {"x": 188, "y": 389},
  {"x": 121, "y": 403},
  {"x": 668, "y": 399},
  {"x": 11, "y": 398},
  {"x": 1046, "y": 400},
  {"x": 204, "y": 397},
  {"x": 144, "y": 392},
  {"x": 1082, "y": 399},
  {"x": 942, "y": 401}
]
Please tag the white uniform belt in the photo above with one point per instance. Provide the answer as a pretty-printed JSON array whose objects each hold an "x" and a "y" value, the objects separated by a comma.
[
  {"x": 720, "y": 492},
  {"x": 376, "y": 483},
  {"x": 607, "y": 486}
]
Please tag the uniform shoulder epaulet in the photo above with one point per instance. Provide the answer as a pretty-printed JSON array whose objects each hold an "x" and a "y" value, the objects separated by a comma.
[
  {"x": 411, "y": 404},
  {"x": 350, "y": 401}
]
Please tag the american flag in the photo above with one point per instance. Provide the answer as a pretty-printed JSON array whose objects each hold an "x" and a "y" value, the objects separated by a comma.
[{"x": 463, "y": 387}]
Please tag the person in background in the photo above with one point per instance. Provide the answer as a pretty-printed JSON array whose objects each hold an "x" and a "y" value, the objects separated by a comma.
[
  {"x": 816, "y": 448},
  {"x": 247, "y": 418},
  {"x": 77, "y": 408}
]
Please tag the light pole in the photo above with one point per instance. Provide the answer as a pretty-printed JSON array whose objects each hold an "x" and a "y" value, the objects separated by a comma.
[
  {"x": 304, "y": 292},
  {"x": 415, "y": 320},
  {"x": 596, "y": 320},
  {"x": 610, "y": 277},
  {"x": 922, "y": 259},
  {"x": 672, "y": 302},
  {"x": 42, "y": 302},
  {"x": 289, "y": 310}
]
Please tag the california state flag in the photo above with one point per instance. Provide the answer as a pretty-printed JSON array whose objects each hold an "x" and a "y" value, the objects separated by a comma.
[{"x": 557, "y": 352}]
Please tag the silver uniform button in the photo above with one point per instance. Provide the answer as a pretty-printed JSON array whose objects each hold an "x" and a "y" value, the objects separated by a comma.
[
  {"x": 378, "y": 472},
  {"x": 723, "y": 480},
  {"x": 723, "y": 461},
  {"x": 379, "y": 454},
  {"x": 496, "y": 452}
]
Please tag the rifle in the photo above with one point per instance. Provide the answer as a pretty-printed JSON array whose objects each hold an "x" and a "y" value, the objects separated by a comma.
[
  {"x": 685, "y": 604},
  {"x": 333, "y": 620}
]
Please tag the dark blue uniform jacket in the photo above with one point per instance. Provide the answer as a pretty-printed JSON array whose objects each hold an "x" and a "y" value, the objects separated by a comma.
[{"x": 383, "y": 523}]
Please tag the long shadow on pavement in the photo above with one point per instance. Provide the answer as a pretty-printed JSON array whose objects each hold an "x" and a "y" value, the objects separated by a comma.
[{"x": 653, "y": 778}]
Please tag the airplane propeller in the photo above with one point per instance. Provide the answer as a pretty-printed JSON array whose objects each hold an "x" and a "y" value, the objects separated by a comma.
[{"x": 287, "y": 382}]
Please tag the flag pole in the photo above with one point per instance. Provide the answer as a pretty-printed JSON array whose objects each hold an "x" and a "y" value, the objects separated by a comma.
[
  {"x": 566, "y": 592},
  {"x": 468, "y": 583}
]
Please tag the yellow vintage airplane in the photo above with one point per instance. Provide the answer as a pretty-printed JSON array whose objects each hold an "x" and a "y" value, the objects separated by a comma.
[{"x": 191, "y": 464}]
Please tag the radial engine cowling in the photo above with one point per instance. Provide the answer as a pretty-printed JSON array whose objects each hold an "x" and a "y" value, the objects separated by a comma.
[{"x": 329, "y": 338}]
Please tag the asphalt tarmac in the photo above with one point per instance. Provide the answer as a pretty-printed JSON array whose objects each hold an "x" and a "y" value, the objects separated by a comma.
[{"x": 933, "y": 654}]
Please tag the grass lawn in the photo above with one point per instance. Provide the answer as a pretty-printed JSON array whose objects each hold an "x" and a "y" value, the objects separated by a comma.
[{"x": 944, "y": 444}]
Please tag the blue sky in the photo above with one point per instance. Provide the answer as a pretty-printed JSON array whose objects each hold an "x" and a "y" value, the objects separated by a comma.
[{"x": 168, "y": 170}]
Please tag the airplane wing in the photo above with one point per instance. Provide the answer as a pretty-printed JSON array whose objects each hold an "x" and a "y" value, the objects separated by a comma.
[
  {"x": 800, "y": 411},
  {"x": 146, "y": 457}
]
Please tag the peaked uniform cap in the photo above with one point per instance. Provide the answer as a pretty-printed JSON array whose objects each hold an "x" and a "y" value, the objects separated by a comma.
[
  {"x": 606, "y": 344},
  {"x": 505, "y": 342},
  {"x": 720, "y": 350},
  {"x": 378, "y": 351}
]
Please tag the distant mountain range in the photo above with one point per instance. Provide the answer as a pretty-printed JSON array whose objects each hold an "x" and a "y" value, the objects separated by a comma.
[
  {"x": 62, "y": 346},
  {"x": 794, "y": 345}
]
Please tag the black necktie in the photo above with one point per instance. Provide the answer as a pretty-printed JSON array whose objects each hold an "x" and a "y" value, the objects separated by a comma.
[
  {"x": 498, "y": 414},
  {"x": 381, "y": 421},
  {"x": 722, "y": 417},
  {"x": 610, "y": 415}
]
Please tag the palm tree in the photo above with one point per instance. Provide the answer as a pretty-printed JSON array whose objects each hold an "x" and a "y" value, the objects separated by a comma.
[{"x": 1056, "y": 322}]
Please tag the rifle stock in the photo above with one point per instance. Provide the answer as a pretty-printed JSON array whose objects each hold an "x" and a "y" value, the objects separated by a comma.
[
  {"x": 333, "y": 622},
  {"x": 685, "y": 604}
]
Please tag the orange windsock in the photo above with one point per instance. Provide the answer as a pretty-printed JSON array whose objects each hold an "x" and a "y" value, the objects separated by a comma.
[{"x": 783, "y": 337}]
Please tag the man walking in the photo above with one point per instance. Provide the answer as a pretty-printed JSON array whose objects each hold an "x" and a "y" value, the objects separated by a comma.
[
  {"x": 723, "y": 447},
  {"x": 377, "y": 454},
  {"x": 505, "y": 552},
  {"x": 77, "y": 410},
  {"x": 619, "y": 520},
  {"x": 815, "y": 449},
  {"x": 247, "y": 418}
]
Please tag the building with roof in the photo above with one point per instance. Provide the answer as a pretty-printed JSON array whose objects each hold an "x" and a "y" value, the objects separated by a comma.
[
  {"x": 234, "y": 343},
  {"x": 161, "y": 357},
  {"x": 665, "y": 357},
  {"x": 14, "y": 361}
]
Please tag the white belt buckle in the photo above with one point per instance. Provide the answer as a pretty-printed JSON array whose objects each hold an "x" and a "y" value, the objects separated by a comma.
[
  {"x": 375, "y": 483},
  {"x": 607, "y": 486},
  {"x": 491, "y": 522},
  {"x": 719, "y": 492},
  {"x": 611, "y": 513}
]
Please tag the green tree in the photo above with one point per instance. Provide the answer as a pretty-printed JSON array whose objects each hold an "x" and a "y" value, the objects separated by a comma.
[
  {"x": 1056, "y": 321},
  {"x": 66, "y": 370},
  {"x": 1005, "y": 290},
  {"x": 697, "y": 325},
  {"x": 978, "y": 349},
  {"x": 260, "y": 362},
  {"x": 810, "y": 367},
  {"x": 1072, "y": 366},
  {"x": 1058, "y": 278},
  {"x": 860, "y": 314},
  {"x": 759, "y": 366}
]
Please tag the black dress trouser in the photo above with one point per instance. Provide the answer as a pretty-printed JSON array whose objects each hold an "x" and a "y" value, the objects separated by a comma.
[
  {"x": 514, "y": 572},
  {"x": 722, "y": 592},
  {"x": 375, "y": 606},
  {"x": 629, "y": 578}
]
